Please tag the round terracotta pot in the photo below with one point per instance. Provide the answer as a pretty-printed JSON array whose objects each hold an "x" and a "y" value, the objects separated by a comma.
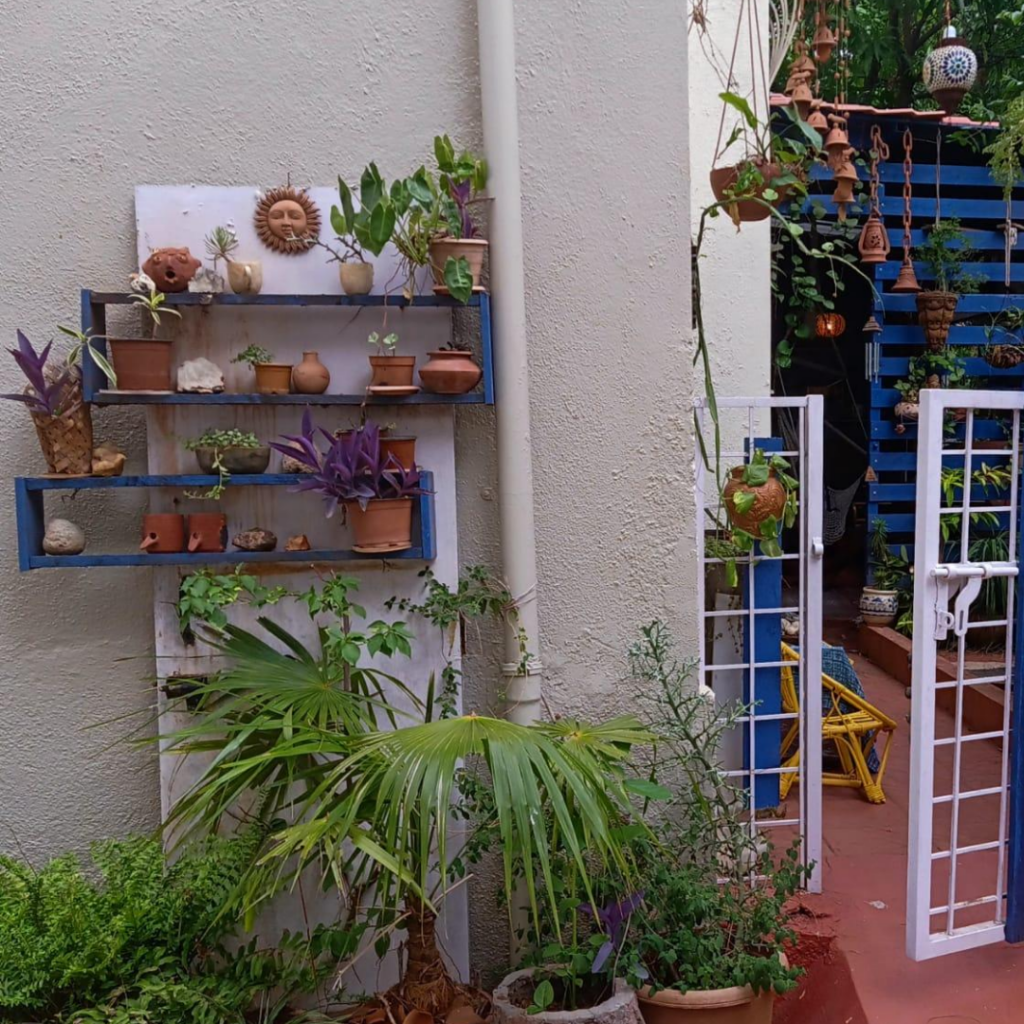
[
  {"x": 724, "y": 178},
  {"x": 245, "y": 276},
  {"x": 450, "y": 372},
  {"x": 402, "y": 447},
  {"x": 207, "y": 531},
  {"x": 234, "y": 460},
  {"x": 473, "y": 249},
  {"x": 935, "y": 315},
  {"x": 273, "y": 378},
  {"x": 310, "y": 377},
  {"x": 737, "y": 1005},
  {"x": 384, "y": 525},
  {"x": 142, "y": 365},
  {"x": 163, "y": 533},
  {"x": 770, "y": 500},
  {"x": 392, "y": 371},
  {"x": 356, "y": 278},
  {"x": 879, "y": 607}
]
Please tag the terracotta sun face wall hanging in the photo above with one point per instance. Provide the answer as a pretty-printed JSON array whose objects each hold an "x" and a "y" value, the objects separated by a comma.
[
  {"x": 171, "y": 269},
  {"x": 287, "y": 220}
]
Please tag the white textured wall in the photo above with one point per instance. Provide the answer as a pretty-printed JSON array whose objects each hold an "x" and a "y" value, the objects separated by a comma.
[{"x": 97, "y": 100}]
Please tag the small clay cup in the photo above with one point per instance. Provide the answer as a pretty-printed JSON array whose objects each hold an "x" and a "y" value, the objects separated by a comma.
[
  {"x": 163, "y": 533},
  {"x": 207, "y": 531}
]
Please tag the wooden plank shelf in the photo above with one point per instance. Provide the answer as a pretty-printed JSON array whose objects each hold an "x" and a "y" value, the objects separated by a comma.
[
  {"x": 31, "y": 520},
  {"x": 105, "y": 397}
]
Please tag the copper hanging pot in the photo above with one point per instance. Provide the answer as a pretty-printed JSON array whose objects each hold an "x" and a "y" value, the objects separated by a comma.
[{"x": 874, "y": 243}]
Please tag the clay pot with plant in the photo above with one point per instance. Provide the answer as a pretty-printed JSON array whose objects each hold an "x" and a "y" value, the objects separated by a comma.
[
  {"x": 244, "y": 276},
  {"x": 225, "y": 453},
  {"x": 390, "y": 371},
  {"x": 946, "y": 255},
  {"x": 271, "y": 378},
  {"x": 450, "y": 371},
  {"x": 144, "y": 364},
  {"x": 760, "y": 499}
]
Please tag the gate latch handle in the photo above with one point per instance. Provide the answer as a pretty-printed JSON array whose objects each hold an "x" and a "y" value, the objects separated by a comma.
[
  {"x": 817, "y": 547},
  {"x": 967, "y": 578}
]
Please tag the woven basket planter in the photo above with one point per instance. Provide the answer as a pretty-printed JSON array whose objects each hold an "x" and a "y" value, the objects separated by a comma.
[{"x": 67, "y": 441}]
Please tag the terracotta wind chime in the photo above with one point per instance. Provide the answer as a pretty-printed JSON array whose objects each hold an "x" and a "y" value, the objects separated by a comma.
[
  {"x": 874, "y": 239},
  {"x": 906, "y": 282},
  {"x": 837, "y": 142}
]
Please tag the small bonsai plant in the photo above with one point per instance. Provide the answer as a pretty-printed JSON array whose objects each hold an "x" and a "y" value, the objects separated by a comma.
[
  {"x": 271, "y": 378},
  {"x": 221, "y": 244},
  {"x": 225, "y": 452},
  {"x": 389, "y": 369}
]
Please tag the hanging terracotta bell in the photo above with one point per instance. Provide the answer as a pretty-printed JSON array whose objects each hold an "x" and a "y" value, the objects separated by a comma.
[
  {"x": 874, "y": 243},
  {"x": 950, "y": 71},
  {"x": 844, "y": 177},
  {"x": 837, "y": 142},
  {"x": 824, "y": 41},
  {"x": 906, "y": 281},
  {"x": 801, "y": 97},
  {"x": 818, "y": 121}
]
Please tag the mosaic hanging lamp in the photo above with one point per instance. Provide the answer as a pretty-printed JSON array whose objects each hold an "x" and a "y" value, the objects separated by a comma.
[{"x": 951, "y": 69}]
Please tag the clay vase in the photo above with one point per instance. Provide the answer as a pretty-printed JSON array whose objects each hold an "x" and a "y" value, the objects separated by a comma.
[
  {"x": 273, "y": 378},
  {"x": 450, "y": 372},
  {"x": 207, "y": 532},
  {"x": 142, "y": 365},
  {"x": 385, "y": 525},
  {"x": 402, "y": 447},
  {"x": 769, "y": 500},
  {"x": 356, "y": 278},
  {"x": 239, "y": 461},
  {"x": 472, "y": 249},
  {"x": 879, "y": 607},
  {"x": 310, "y": 377},
  {"x": 392, "y": 371},
  {"x": 723, "y": 180},
  {"x": 163, "y": 533},
  {"x": 935, "y": 315},
  {"x": 245, "y": 276}
]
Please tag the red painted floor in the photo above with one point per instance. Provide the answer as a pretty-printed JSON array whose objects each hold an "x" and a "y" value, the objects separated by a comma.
[{"x": 865, "y": 862}]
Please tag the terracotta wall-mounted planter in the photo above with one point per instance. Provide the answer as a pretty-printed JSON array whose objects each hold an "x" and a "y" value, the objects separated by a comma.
[
  {"x": 473, "y": 250},
  {"x": 769, "y": 500},
  {"x": 142, "y": 365},
  {"x": 163, "y": 533},
  {"x": 935, "y": 315},
  {"x": 402, "y": 447},
  {"x": 234, "y": 460},
  {"x": 207, "y": 531},
  {"x": 385, "y": 525},
  {"x": 356, "y": 278},
  {"x": 392, "y": 371},
  {"x": 723, "y": 180},
  {"x": 273, "y": 378},
  {"x": 450, "y": 372}
]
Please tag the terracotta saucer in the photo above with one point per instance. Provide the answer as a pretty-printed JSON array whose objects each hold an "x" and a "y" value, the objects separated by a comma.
[{"x": 396, "y": 390}]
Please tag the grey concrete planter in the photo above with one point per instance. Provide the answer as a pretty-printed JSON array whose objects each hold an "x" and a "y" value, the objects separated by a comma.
[{"x": 619, "y": 1008}]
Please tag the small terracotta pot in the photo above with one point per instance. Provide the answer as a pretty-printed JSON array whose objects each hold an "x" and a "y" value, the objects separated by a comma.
[
  {"x": 385, "y": 525},
  {"x": 935, "y": 315},
  {"x": 392, "y": 371},
  {"x": 402, "y": 447},
  {"x": 310, "y": 377},
  {"x": 245, "y": 276},
  {"x": 207, "y": 531},
  {"x": 273, "y": 378},
  {"x": 769, "y": 500},
  {"x": 450, "y": 372},
  {"x": 356, "y": 278},
  {"x": 235, "y": 460},
  {"x": 473, "y": 249},
  {"x": 163, "y": 533},
  {"x": 142, "y": 365},
  {"x": 723, "y": 179}
]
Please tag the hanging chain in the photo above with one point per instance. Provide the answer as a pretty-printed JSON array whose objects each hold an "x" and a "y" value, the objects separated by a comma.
[
  {"x": 879, "y": 154},
  {"x": 908, "y": 167}
]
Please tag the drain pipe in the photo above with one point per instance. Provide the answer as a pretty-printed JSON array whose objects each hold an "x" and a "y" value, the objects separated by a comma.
[{"x": 496, "y": 24}]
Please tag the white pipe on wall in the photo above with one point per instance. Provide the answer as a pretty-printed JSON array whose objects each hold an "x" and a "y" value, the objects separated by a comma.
[{"x": 496, "y": 25}]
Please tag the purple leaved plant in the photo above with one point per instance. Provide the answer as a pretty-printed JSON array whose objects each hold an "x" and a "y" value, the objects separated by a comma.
[
  {"x": 48, "y": 398},
  {"x": 349, "y": 468},
  {"x": 613, "y": 919},
  {"x": 461, "y": 195}
]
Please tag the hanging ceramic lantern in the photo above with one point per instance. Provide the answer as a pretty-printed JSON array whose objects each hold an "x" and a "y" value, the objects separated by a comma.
[
  {"x": 874, "y": 240},
  {"x": 950, "y": 71},
  {"x": 829, "y": 325}
]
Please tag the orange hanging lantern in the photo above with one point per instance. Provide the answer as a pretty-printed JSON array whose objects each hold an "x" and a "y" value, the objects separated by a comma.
[{"x": 829, "y": 325}]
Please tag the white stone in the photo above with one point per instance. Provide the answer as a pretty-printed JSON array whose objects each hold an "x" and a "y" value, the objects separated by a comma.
[
  {"x": 201, "y": 376},
  {"x": 206, "y": 282},
  {"x": 62, "y": 537}
]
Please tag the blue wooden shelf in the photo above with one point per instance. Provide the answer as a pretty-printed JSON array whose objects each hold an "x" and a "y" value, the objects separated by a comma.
[
  {"x": 31, "y": 523},
  {"x": 94, "y": 321}
]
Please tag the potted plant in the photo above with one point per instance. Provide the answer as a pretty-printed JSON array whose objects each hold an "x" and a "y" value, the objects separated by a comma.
[
  {"x": 891, "y": 591},
  {"x": 367, "y": 229},
  {"x": 271, "y": 378},
  {"x": 244, "y": 276},
  {"x": 402, "y": 447},
  {"x": 945, "y": 253},
  {"x": 144, "y": 364},
  {"x": 376, "y": 492},
  {"x": 450, "y": 370},
  {"x": 54, "y": 398},
  {"x": 392, "y": 373},
  {"x": 760, "y": 498},
  {"x": 225, "y": 452}
]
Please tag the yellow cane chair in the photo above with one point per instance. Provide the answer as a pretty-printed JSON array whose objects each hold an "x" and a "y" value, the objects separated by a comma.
[{"x": 851, "y": 724}]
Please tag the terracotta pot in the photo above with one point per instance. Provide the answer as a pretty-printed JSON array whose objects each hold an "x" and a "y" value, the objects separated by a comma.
[
  {"x": 384, "y": 525},
  {"x": 207, "y": 531},
  {"x": 879, "y": 607},
  {"x": 142, "y": 365},
  {"x": 356, "y": 278},
  {"x": 770, "y": 500},
  {"x": 450, "y": 372},
  {"x": 736, "y": 1005},
  {"x": 245, "y": 276},
  {"x": 473, "y": 249},
  {"x": 402, "y": 447},
  {"x": 514, "y": 993},
  {"x": 935, "y": 315},
  {"x": 724, "y": 178},
  {"x": 235, "y": 460},
  {"x": 392, "y": 371},
  {"x": 310, "y": 377},
  {"x": 273, "y": 378},
  {"x": 163, "y": 533}
]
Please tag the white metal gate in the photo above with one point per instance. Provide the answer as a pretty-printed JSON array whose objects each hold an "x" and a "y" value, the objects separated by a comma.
[
  {"x": 742, "y": 632},
  {"x": 959, "y": 786}
]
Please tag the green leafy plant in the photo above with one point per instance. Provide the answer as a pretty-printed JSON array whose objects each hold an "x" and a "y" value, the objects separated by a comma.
[
  {"x": 1004, "y": 152},
  {"x": 205, "y": 596},
  {"x": 947, "y": 253},
  {"x": 370, "y": 227},
  {"x": 756, "y": 473},
  {"x": 221, "y": 244},
  {"x": 386, "y": 346},
  {"x": 219, "y": 441},
  {"x": 947, "y": 365},
  {"x": 254, "y": 355},
  {"x": 83, "y": 340},
  {"x": 144, "y": 295}
]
